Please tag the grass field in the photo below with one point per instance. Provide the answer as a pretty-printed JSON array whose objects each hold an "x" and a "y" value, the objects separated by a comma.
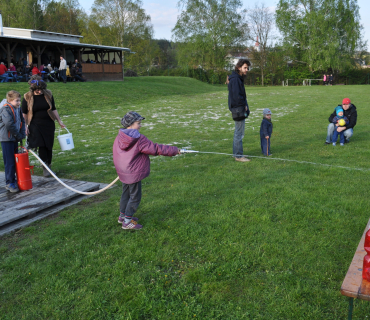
[{"x": 268, "y": 239}]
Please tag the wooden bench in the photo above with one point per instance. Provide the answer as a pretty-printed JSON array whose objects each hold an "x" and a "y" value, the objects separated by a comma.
[{"x": 353, "y": 285}]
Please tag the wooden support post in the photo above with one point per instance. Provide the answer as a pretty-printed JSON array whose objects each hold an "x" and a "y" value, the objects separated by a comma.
[
  {"x": 42, "y": 50},
  {"x": 64, "y": 53},
  {"x": 12, "y": 49},
  {"x": 33, "y": 48},
  {"x": 120, "y": 54},
  {"x": 8, "y": 54},
  {"x": 38, "y": 57},
  {"x": 79, "y": 56},
  {"x": 102, "y": 61},
  {"x": 60, "y": 51},
  {"x": 2, "y": 47}
]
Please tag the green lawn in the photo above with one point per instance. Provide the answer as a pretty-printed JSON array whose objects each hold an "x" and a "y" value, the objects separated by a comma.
[{"x": 268, "y": 239}]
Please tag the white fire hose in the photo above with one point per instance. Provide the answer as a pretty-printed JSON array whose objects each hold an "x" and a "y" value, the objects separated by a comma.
[
  {"x": 82, "y": 192},
  {"x": 182, "y": 151},
  {"x": 68, "y": 187}
]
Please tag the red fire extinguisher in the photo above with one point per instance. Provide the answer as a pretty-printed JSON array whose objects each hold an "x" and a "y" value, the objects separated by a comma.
[
  {"x": 23, "y": 169},
  {"x": 366, "y": 264}
]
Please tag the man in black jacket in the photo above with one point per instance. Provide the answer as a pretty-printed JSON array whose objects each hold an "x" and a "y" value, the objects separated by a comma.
[
  {"x": 351, "y": 113},
  {"x": 238, "y": 106}
]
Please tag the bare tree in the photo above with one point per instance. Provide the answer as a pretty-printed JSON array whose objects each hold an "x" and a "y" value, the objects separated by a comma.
[{"x": 260, "y": 22}]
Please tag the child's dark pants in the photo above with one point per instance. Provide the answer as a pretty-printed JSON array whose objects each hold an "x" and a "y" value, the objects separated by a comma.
[
  {"x": 341, "y": 135},
  {"x": 130, "y": 199},
  {"x": 9, "y": 149},
  {"x": 264, "y": 143}
]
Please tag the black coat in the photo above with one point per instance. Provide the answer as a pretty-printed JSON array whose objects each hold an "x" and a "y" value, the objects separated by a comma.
[
  {"x": 351, "y": 114},
  {"x": 237, "y": 95}
]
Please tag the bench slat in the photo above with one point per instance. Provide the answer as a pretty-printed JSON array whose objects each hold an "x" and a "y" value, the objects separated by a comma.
[{"x": 353, "y": 285}]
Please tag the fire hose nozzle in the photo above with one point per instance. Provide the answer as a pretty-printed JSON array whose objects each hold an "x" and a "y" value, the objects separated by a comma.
[{"x": 182, "y": 151}]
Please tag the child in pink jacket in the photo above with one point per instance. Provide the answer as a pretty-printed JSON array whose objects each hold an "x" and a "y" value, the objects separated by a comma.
[{"x": 131, "y": 152}]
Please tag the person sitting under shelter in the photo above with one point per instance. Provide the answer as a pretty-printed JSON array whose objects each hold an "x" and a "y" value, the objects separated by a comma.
[
  {"x": 14, "y": 74},
  {"x": 13, "y": 68},
  {"x": 76, "y": 74},
  {"x": 78, "y": 65},
  {"x": 3, "y": 72},
  {"x": 350, "y": 112},
  {"x": 35, "y": 70}
]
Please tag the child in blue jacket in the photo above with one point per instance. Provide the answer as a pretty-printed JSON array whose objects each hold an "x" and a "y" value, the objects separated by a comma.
[
  {"x": 12, "y": 130},
  {"x": 339, "y": 116},
  {"x": 266, "y": 132}
]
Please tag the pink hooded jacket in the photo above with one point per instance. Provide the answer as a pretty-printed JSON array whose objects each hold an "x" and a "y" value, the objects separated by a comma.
[{"x": 131, "y": 152}]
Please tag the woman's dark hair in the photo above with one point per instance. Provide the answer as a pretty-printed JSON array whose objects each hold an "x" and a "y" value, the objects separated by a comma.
[
  {"x": 241, "y": 63},
  {"x": 36, "y": 83}
]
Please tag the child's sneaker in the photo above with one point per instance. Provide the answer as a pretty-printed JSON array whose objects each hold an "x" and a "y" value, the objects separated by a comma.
[
  {"x": 132, "y": 225},
  {"x": 12, "y": 187},
  {"x": 334, "y": 143},
  {"x": 122, "y": 220},
  {"x": 342, "y": 144}
]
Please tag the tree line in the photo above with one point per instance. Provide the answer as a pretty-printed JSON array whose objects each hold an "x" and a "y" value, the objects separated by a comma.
[{"x": 315, "y": 35}]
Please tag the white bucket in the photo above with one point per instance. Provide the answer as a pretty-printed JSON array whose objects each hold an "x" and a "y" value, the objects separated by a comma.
[{"x": 66, "y": 141}]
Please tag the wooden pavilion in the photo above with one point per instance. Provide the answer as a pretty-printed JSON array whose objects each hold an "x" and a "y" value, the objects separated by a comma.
[{"x": 43, "y": 47}]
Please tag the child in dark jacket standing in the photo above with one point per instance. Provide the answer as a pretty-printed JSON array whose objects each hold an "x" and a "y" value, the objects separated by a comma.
[
  {"x": 339, "y": 121},
  {"x": 131, "y": 152},
  {"x": 12, "y": 130},
  {"x": 266, "y": 132}
]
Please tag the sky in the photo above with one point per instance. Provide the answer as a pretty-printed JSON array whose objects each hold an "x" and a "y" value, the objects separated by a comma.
[{"x": 164, "y": 14}]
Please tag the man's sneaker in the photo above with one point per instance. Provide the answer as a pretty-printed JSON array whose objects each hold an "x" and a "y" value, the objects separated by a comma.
[
  {"x": 242, "y": 159},
  {"x": 346, "y": 141},
  {"x": 327, "y": 142},
  {"x": 334, "y": 143},
  {"x": 12, "y": 187},
  {"x": 122, "y": 220},
  {"x": 132, "y": 225},
  {"x": 342, "y": 144}
]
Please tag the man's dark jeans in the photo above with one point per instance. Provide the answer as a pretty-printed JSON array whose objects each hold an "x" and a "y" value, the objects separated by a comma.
[
  {"x": 238, "y": 138},
  {"x": 9, "y": 149},
  {"x": 62, "y": 74}
]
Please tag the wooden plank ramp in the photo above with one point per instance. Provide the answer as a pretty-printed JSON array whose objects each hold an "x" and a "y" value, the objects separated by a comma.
[{"x": 47, "y": 197}]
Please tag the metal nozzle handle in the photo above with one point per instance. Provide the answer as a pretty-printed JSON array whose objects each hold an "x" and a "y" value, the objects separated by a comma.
[{"x": 188, "y": 151}]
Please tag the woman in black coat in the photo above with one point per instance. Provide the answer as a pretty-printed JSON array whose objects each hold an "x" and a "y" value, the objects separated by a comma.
[{"x": 39, "y": 112}]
